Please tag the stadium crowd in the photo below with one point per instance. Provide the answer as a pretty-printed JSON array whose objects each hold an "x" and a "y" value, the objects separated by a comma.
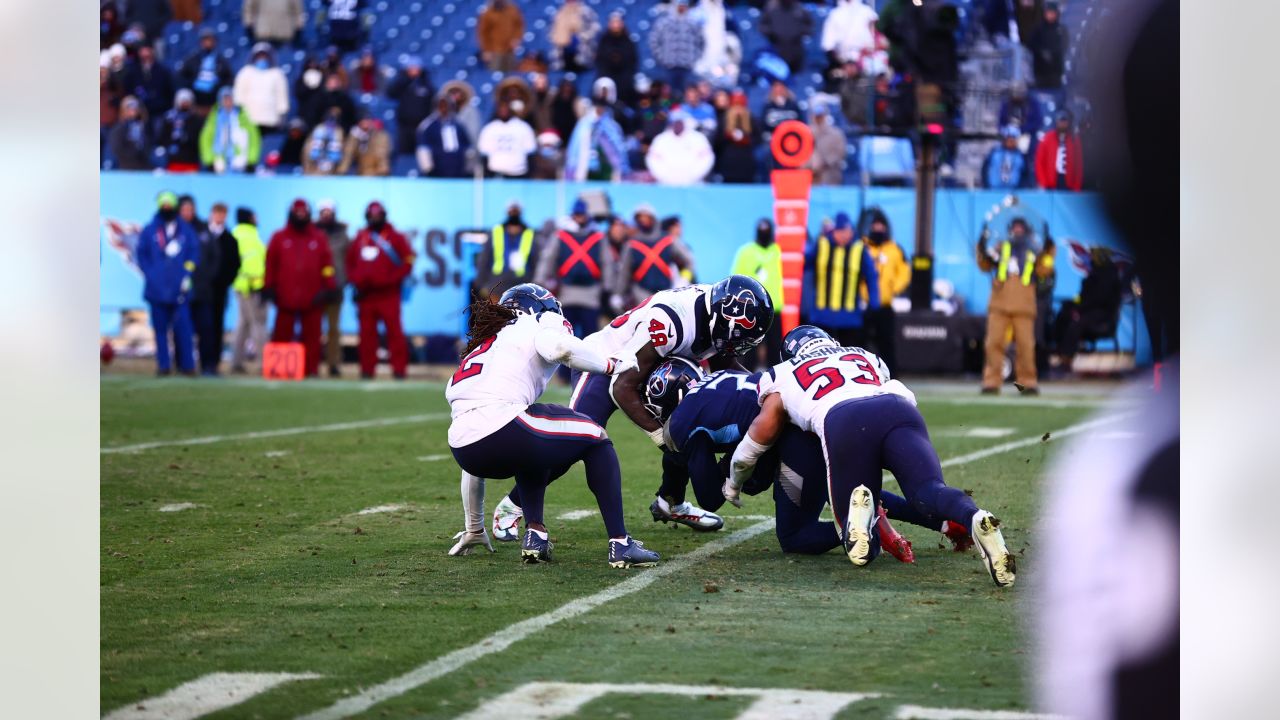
[
  {"x": 599, "y": 264},
  {"x": 584, "y": 109}
]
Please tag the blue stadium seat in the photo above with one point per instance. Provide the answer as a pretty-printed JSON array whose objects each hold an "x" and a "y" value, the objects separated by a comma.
[{"x": 887, "y": 159}]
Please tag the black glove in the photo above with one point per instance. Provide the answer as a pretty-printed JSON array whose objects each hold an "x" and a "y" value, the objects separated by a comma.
[{"x": 268, "y": 295}]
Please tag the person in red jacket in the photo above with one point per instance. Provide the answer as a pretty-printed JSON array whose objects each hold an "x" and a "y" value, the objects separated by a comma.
[
  {"x": 378, "y": 261},
  {"x": 300, "y": 281},
  {"x": 1059, "y": 161}
]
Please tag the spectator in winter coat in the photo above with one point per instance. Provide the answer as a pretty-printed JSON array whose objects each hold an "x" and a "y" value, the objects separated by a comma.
[
  {"x": 263, "y": 91},
  {"x": 849, "y": 34},
  {"x": 378, "y": 261},
  {"x": 229, "y": 141},
  {"x": 275, "y": 21},
  {"x": 1023, "y": 112},
  {"x": 167, "y": 253},
  {"x": 295, "y": 142},
  {"x": 564, "y": 113},
  {"x": 499, "y": 34},
  {"x": 308, "y": 84},
  {"x": 467, "y": 111},
  {"x": 716, "y": 62},
  {"x": 785, "y": 24},
  {"x": 680, "y": 155},
  {"x": 323, "y": 152},
  {"x": 443, "y": 143},
  {"x": 339, "y": 241},
  {"x": 1059, "y": 160},
  {"x": 152, "y": 15},
  {"x": 332, "y": 96},
  {"x": 368, "y": 148},
  {"x": 148, "y": 80},
  {"x": 345, "y": 30},
  {"x": 676, "y": 43},
  {"x": 415, "y": 97},
  {"x": 597, "y": 149},
  {"x": 130, "y": 139},
  {"x": 205, "y": 72},
  {"x": 779, "y": 107},
  {"x": 366, "y": 74},
  {"x": 506, "y": 144},
  {"x": 700, "y": 112},
  {"x": 1048, "y": 46},
  {"x": 110, "y": 26},
  {"x": 735, "y": 154},
  {"x": 616, "y": 59},
  {"x": 179, "y": 134},
  {"x": 332, "y": 65},
  {"x": 828, "y": 159},
  {"x": 574, "y": 30},
  {"x": 549, "y": 158},
  {"x": 1005, "y": 167},
  {"x": 300, "y": 281}
]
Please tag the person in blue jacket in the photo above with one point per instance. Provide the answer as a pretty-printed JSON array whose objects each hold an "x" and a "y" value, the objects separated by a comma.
[
  {"x": 167, "y": 252},
  {"x": 1005, "y": 166},
  {"x": 840, "y": 281}
]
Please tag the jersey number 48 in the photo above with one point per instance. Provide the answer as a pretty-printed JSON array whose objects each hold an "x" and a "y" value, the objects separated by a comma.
[{"x": 808, "y": 373}]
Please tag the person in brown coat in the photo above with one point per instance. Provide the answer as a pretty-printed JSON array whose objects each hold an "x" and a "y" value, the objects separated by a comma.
[
  {"x": 498, "y": 34},
  {"x": 368, "y": 147},
  {"x": 1017, "y": 266}
]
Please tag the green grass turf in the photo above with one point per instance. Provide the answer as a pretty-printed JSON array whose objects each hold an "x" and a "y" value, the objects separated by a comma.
[{"x": 275, "y": 572}]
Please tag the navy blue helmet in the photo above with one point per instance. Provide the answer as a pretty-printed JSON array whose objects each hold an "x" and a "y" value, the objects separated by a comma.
[
  {"x": 668, "y": 384},
  {"x": 741, "y": 313},
  {"x": 804, "y": 338},
  {"x": 530, "y": 298}
]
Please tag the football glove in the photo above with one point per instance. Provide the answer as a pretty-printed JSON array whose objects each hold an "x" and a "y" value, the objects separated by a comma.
[
  {"x": 659, "y": 437},
  {"x": 617, "y": 366},
  {"x": 731, "y": 492},
  {"x": 468, "y": 540}
]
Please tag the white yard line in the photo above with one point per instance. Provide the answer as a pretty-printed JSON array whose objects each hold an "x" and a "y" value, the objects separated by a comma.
[
  {"x": 281, "y": 432},
  {"x": 506, "y": 637},
  {"x": 204, "y": 695},
  {"x": 178, "y": 507},
  {"x": 915, "y": 712},
  {"x": 433, "y": 458},
  {"x": 576, "y": 515},
  {"x": 382, "y": 509}
]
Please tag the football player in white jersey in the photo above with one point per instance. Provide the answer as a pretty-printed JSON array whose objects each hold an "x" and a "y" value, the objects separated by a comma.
[
  {"x": 499, "y": 431},
  {"x": 713, "y": 323},
  {"x": 867, "y": 423}
]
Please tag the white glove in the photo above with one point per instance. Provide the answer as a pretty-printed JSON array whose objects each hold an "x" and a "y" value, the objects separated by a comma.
[
  {"x": 659, "y": 437},
  {"x": 731, "y": 492},
  {"x": 617, "y": 366},
  {"x": 467, "y": 540}
]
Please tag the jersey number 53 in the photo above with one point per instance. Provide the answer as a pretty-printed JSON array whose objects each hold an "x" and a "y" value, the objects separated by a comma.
[{"x": 809, "y": 373}]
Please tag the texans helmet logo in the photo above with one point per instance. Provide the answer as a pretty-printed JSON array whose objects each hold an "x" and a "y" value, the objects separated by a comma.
[{"x": 740, "y": 309}]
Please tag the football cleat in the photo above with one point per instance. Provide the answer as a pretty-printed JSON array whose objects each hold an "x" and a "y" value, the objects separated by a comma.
[
  {"x": 995, "y": 555},
  {"x": 857, "y": 527},
  {"x": 686, "y": 513},
  {"x": 892, "y": 541},
  {"x": 958, "y": 534},
  {"x": 535, "y": 549},
  {"x": 506, "y": 520},
  {"x": 630, "y": 552},
  {"x": 469, "y": 540}
]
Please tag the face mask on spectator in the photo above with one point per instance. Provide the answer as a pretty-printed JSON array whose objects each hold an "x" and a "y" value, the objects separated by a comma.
[
  {"x": 877, "y": 236},
  {"x": 261, "y": 63}
]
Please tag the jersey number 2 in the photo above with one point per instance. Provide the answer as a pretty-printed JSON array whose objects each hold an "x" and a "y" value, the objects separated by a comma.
[
  {"x": 468, "y": 368},
  {"x": 807, "y": 376}
]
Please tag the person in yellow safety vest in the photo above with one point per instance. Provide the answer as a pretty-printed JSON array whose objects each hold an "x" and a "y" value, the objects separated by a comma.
[
  {"x": 251, "y": 326},
  {"x": 1016, "y": 265},
  {"x": 835, "y": 265},
  {"x": 895, "y": 275},
  {"x": 509, "y": 257},
  {"x": 762, "y": 260}
]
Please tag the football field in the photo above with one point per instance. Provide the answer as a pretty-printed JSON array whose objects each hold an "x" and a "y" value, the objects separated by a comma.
[{"x": 278, "y": 551}]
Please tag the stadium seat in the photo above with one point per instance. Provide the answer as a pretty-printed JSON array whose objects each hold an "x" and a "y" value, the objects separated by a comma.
[{"x": 886, "y": 159}]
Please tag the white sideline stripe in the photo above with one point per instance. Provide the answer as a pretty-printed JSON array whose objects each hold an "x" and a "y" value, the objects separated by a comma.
[
  {"x": 433, "y": 458},
  {"x": 179, "y": 507},
  {"x": 275, "y": 453},
  {"x": 204, "y": 695},
  {"x": 504, "y": 638},
  {"x": 282, "y": 432},
  {"x": 576, "y": 515},
  {"x": 915, "y": 712},
  {"x": 382, "y": 509},
  {"x": 985, "y": 433}
]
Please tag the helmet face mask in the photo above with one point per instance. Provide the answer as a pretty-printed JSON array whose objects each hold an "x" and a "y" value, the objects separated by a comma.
[
  {"x": 741, "y": 314},
  {"x": 804, "y": 339},
  {"x": 668, "y": 384},
  {"x": 530, "y": 299}
]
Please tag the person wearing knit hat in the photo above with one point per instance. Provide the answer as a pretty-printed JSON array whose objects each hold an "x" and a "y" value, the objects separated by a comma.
[
  {"x": 251, "y": 327},
  {"x": 229, "y": 142},
  {"x": 1005, "y": 166},
  {"x": 130, "y": 138},
  {"x": 339, "y": 241},
  {"x": 571, "y": 267},
  {"x": 836, "y": 268},
  {"x": 205, "y": 71},
  {"x": 167, "y": 253},
  {"x": 178, "y": 134},
  {"x": 549, "y": 158}
]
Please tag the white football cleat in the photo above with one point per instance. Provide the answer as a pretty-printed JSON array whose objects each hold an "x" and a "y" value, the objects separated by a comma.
[
  {"x": 995, "y": 554},
  {"x": 857, "y": 530},
  {"x": 686, "y": 513},
  {"x": 506, "y": 520},
  {"x": 468, "y": 540}
]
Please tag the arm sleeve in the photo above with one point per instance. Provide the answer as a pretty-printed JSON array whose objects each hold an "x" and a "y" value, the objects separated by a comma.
[
  {"x": 872, "y": 278},
  {"x": 558, "y": 346}
]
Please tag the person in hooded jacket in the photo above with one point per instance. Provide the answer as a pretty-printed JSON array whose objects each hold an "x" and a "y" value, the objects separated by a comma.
[
  {"x": 415, "y": 99},
  {"x": 617, "y": 59},
  {"x": 762, "y": 260},
  {"x": 894, "y": 276},
  {"x": 378, "y": 262},
  {"x": 167, "y": 253},
  {"x": 300, "y": 281},
  {"x": 205, "y": 72},
  {"x": 339, "y": 241}
]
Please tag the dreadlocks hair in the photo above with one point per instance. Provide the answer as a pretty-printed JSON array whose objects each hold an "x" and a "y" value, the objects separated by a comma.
[{"x": 484, "y": 319}]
